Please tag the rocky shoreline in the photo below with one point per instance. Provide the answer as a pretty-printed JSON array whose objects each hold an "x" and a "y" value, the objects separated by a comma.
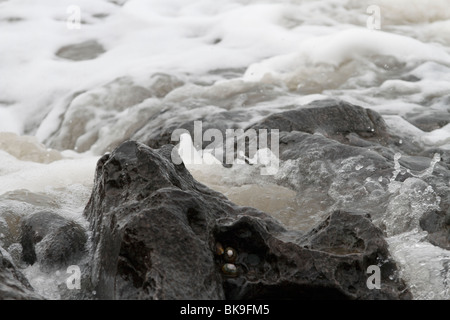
[{"x": 157, "y": 233}]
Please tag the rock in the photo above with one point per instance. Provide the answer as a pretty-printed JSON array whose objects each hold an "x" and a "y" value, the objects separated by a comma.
[
  {"x": 340, "y": 121},
  {"x": 148, "y": 223},
  {"x": 14, "y": 206},
  {"x": 155, "y": 231},
  {"x": 27, "y": 148},
  {"x": 9, "y": 228},
  {"x": 13, "y": 284},
  {"x": 437, "y": 224},
  {"x": 329, "y": 262},
  {"x": 331, "y": 175},
  {"x": 219, "y": 105},
  {"x": 91, "y": 121},
  {"x": 429, "y": 121},
  {"x": 331, "y": 170},
  {"x": 333, "y": 118},
  {"x": 220, "y": 121},
  {"x": 445, "y": 155},
  {"x": 51, "y": 240},
  {"x": 86, "y": 50},
  {"x": 88, "y": 113}
]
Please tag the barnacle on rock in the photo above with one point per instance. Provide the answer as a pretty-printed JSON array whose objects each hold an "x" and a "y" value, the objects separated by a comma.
[{"x": 230, "y": 254}]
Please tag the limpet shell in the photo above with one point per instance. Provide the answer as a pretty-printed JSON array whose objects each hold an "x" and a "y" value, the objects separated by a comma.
[{"x": 229, "y": 269}]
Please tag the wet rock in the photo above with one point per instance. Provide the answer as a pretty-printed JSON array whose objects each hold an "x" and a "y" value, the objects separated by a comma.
[
  {"x": 340, "y": 121},
  {"x": 51, "y": 240},
  {"x": 155, "y": 234},
  {"x": 91, "y": 121},
  {"x": 162, "y": 84},
  {"x": 9, "y": 228},
  {"x": 15, "y": 205},
  {"x": 430, "y": 121},
  {"x": 86, "y": 50},
  {"x": 437, "y": 224},
  {"x": 218, "y": 105},
  {"x": 334, "y": 164},
  {"x": 329, "y": 262},
  {"x": 333, "y": 118},
  {"x": 27, "y": 148},
  {"x": 220, "y": 121},
  {"x": 445, "y": 155},
  {"x": 13, "y": 284},
  {"x": 333, "y": 175},
  {"x": 148, "y": 223}
]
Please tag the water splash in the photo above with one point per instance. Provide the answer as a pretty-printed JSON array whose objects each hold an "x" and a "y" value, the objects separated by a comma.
[
  {"x": 395, "y": 185},
  {"x": 410, "y": 199},
  {"x": 423, "y": 266}
]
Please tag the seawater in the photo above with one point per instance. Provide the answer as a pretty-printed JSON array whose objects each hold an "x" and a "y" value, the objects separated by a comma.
[{"x": 180, "y": 60}]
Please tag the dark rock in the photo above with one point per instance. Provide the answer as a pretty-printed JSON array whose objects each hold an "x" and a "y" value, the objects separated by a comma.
[
  {"x": 8, "y": 234},
  {"x": 429, "y": 121},
  {"x": 155, "y": 231},
  {"x": 445, "y": 155},
  {"x": 86, "y": 50},
  {"x": 150, "y": 228},
  {"x": 329, "y": 262},
  {"x": 341, "y": 171},
  {"x": 15, "y": 205},
  {"x": 13, "y": 284},
  {"x": 437, "y": 224},
  {"x": 51, "y": 240},
  {"x": 333, "y": 118},
  {"x": 341, "y": 121},
  {"x": 336, "y": 175}
]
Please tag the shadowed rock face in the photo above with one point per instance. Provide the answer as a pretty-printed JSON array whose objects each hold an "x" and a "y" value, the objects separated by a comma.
[
  {"x": 155, "y": 235},
  {"x": 86, "y": 50},
  {"x": 13, "y": 284},
  {"x": 52, "y": 240}
]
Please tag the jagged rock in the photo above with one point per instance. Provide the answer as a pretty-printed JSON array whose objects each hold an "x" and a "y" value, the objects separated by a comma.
[
  {"x": 340, "y": 166},
  {"x": 13, "y": 284},
  {"x": 155, "y": 231},
  {"x": 51, "y": 240},
  {"x": 329, "y": 262}
]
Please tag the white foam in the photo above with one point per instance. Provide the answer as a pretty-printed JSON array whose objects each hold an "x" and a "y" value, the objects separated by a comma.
[
  {"x": 37, "y": 177},
  {"x": 423, "y": 266},
  {"x": 9, "y": 122},
  {"x": 307, "y": 49}
]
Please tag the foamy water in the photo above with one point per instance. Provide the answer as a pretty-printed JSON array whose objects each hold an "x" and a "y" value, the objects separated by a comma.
[{"x": 154, "y": 62}]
